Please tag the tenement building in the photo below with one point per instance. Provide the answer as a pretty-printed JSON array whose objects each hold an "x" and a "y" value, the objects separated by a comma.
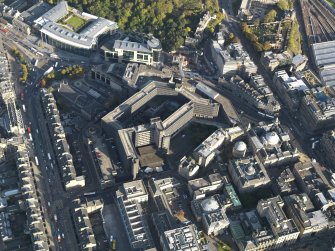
[{"x": 283, "y": 228}]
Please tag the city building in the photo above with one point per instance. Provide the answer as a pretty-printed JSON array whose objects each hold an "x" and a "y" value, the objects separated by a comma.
[
  {"x": 256, "y": 93},
  {"x": 188, "y": 168},
  {"x": 168, "y": 196},
  {"x": 290, "y": 89},
  {"x": 271, "y": 61},
  {"x": 133, "y": 48},
  {"x": 251, "y": 234},
  {"x": 272, "y": 144},
  {"x": 324, "y": 59},
  {"x": 127, "y": 79},
  {"x": 285, "y": 183},
  {"x": 56, "y": 30},
  {"x": 181, "y": 239},
  {"x": 308, "y": 220},
  {"x": 312, "y": 181},
  {"x": 157, "y": 132},
  {"x": 82, "y": 223},
  {"x": 64, "y": 158},
  {"x": 232, "y": 60},
  {"x": 35, "y": 224},
  {"x": 283, "y": 228},
  {"x": 21, "y": 26},
  {"x": 327, "y": 144},
  {"x": 318, "y": 108},
  {"x": 207, "y": 150},
  {"x": 212, "y": 213},
  {"x": 11, "y": 120},
  {"x": 199, "y": 188},
  {"x": 248, "y": 174},
  {"x": 298, "y": 63},
  {"x": 130, "y": 198}
]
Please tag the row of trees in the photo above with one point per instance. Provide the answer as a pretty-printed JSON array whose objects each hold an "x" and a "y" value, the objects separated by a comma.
[
  {"x": 23, "y": 64},
  {"x": 169, "y": 20},
  {"x": 74, "y": 71}
]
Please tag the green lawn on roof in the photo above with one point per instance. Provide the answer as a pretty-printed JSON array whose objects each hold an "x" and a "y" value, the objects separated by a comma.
[{"x": 75, "y": 22}]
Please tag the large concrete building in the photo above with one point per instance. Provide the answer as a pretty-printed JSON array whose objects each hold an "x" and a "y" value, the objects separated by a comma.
[
  {"x": 137, "y": 49},
  {"x": 248, "y": 174},
  {"x": 55, "y": 29},
  {"x": 157, "y": 132},
  {"x": 283, "y": 228}
]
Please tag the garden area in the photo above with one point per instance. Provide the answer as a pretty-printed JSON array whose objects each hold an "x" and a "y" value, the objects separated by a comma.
[
  {"x": 73, "y": 72},
  {"x": 75, "y": 22}
]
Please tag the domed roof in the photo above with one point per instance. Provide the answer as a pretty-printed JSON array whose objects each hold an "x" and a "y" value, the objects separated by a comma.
[
  {"x": 272, "y": 138},
  {"x": 210, "y": 205},
  {"x": 250, "y": 170},
  {"x": 240, "y": 146}
]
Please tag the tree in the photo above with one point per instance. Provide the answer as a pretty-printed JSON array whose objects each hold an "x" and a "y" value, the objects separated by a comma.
[
  {"x": 284, "y": 4},
  {"x": 257, "y": 22},
  {"x": 267, "y": 46},
  {"x": 270, "y": 16},
  {"x": 43, "y": 82},
  {"x": 63, "y": 71}
]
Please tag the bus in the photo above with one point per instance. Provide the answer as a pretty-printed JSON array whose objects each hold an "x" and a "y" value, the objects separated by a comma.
[
  {"x": 49, "y": 156},
  {"x": 113, "y": 245},
  {"x": 36, "y": 161},
  {"x": 24, "y": 108}
]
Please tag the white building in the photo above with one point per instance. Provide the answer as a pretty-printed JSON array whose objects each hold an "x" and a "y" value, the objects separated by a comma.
[
  {"x": 232, "y": 59},
  {"x": 82, "y": 42},
  {"x": 145, "y": 51},
  {"x": 206, "y": 151}
]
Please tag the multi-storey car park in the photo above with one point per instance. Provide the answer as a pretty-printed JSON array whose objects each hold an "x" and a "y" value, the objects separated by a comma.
[
  {"x": 72, "y": 30},
  {"x": 156, "y": 132}
]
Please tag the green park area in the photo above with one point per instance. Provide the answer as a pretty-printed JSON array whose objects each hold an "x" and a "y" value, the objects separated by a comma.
[{"x": 75, "y": 22}]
